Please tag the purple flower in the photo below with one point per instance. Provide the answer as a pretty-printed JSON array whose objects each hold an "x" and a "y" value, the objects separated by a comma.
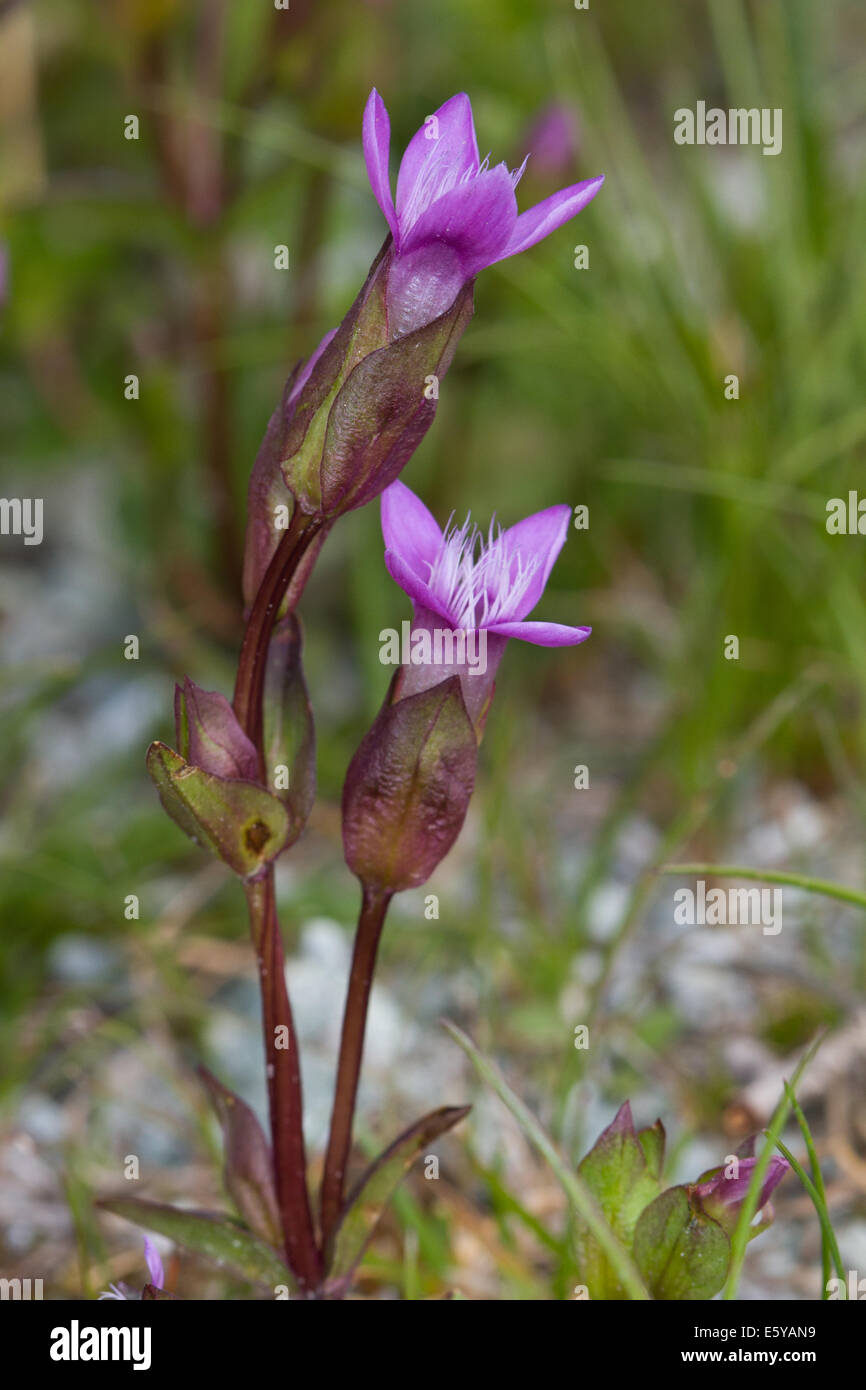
[
  {"x": 461, "y": 581},
  {"x": 453, "y": 214},
  {"x": 721, "y": 1196},
  {"x": 552, "y": 140},
  {"x": 123, "y": 1293}
]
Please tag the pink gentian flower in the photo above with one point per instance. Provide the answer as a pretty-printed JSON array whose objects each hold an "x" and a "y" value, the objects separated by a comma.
[
  {"x": 453, "y": 214},
  {"x": 463, "y": 580}
]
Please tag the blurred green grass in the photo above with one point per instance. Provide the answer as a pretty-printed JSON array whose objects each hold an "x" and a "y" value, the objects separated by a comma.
[{"x": 603, "y": 387}]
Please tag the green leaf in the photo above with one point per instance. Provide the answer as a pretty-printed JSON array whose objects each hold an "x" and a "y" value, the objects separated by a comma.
[
  {"x": 249, "y": 1169},
  {"x": 239, "y": 822},
  {"x": 207, "y": 1233},
  {"x": 372, "y": 1193},
  {"x": 681, "y": 1253}
]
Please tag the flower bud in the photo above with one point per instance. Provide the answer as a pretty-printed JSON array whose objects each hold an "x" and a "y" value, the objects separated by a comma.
[
  {"x": 682, "y": 1254},
  {"x": 408, "y": 788},
  {"x": 720, "y": 1193},
  {"x": 352, "y": 418},
  {"x": 211, "y": 788},
  {"x": 209, "y": 735},
  {"x": 622, "y": 1171}
]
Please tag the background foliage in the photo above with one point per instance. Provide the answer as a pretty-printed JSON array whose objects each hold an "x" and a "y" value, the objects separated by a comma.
[{"x": 601, "y": 386}]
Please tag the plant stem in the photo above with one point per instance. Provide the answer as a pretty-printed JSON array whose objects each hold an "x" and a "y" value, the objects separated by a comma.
[
  {"x": 301, "y": 532},
  {"x": 282, "y": 1062},
  {"x": 282, "y": 1067},
  {"x": 374, "y": 906}
]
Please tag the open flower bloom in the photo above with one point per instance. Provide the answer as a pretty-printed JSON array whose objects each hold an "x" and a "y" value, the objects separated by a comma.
[
  {"x": 454, "y": 214},
  {"x": 123, "y": 1293},
  {"x": 470, "y": 592},
  {"x": 721, "y": 1197}
]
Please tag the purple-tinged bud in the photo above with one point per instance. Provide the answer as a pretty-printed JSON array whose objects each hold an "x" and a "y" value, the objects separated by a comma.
[
  {"x": 209, "y": 735},
  {"x": 212, "y": 788},
  {"x": 352, "y": 418},
  {"x": 408, "y": 788},
  {"x": 722, "y": 1191},
  {"x": 682, "y": 1253}
]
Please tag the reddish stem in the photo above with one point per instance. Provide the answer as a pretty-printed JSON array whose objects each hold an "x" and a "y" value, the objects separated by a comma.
[
  {"x": 285, "y": 1096},
  {"x": 374, "y": 906},
  {"x": 282, "y": 1062},
  {"x": 250, "y": 681}
]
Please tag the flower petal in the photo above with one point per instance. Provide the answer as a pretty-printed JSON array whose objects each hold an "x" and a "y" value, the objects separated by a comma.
[
  {"x": 412, "y": 584},
  {"x": 377, "y": 145},
  {"x": 477, "y": 219},
  {"x": 421, "y": 286},
  {"x": 542, "y": 634},
  {"x": 436, "y": 158},
  {"x": 154, "y": 1264},
  {"x": 539, "y": 537},
  {"x": 410, "y": 529},
  {"x": 546, "y": 216}
]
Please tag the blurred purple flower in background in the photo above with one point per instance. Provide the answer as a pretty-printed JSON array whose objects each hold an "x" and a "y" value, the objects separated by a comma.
[
  {"x": 453, "y": 214},
  {"x": 552, "y": 141}
]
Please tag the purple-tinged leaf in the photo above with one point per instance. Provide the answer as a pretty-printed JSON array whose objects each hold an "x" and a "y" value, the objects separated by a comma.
[
  {"x": 372, "y": 1193},
  {"x": 249, "y": 1169}
]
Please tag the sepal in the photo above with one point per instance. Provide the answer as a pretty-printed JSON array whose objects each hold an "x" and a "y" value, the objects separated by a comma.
[{"x": 239, "y": 822}]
